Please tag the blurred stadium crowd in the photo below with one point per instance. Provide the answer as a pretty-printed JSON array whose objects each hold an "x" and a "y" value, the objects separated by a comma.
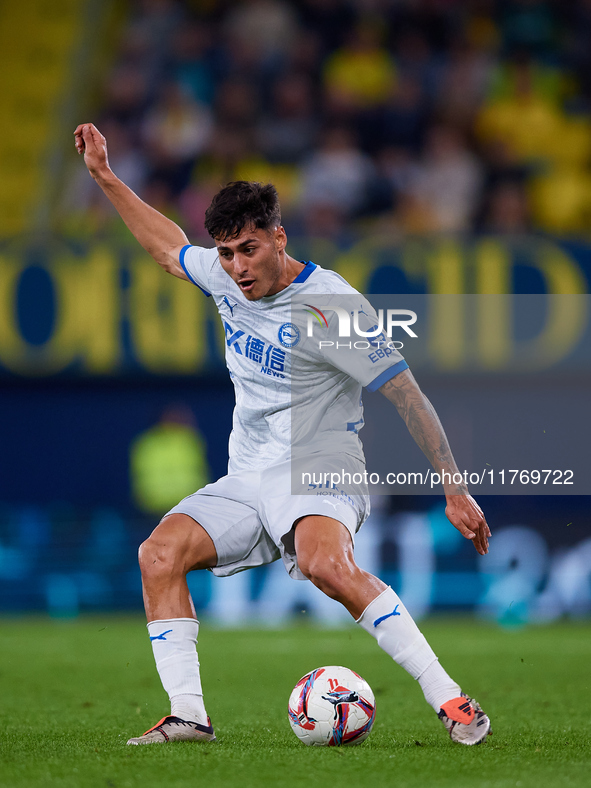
[{"x": 408, "y": 116}]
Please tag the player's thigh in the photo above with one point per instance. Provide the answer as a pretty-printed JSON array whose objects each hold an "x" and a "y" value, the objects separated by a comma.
[
  {"x": 180, "y": 540},
  {"x": 226, "y": 509}
]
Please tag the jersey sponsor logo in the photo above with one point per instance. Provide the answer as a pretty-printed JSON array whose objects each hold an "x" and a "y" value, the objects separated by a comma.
[
  {"x": 271, "y": 372},
  {"x": 232, "y": 338},
  {"x": 271, "y": 358},
  {"x": 329, "y": 489},
  {"x": 289, "y": 335},
  {"x": 385, "y": 352}
]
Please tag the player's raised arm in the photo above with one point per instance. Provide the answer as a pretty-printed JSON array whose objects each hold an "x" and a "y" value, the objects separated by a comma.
[
  {"x": 159, "y": 236},
  {"x": 423, "y": 424}
]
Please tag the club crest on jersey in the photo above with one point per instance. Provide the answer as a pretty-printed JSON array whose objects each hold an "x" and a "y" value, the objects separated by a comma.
[{"x": 289, "y": 335}]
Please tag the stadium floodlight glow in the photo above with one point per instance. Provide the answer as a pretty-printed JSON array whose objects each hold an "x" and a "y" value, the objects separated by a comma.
[{"x": 393, "y": 319}]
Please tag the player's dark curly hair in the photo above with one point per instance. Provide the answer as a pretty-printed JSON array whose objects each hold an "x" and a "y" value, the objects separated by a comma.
[{"x": 242, "y": 204}]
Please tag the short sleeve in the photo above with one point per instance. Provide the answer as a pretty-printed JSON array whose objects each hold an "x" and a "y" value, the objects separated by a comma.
[
  {"x": 197, "y": 263},
  {"x": 370, "y": 360}
]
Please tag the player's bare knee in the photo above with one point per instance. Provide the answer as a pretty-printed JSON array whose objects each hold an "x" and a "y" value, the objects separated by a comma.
[
  {"x": 157, "y": 558},
  {"x": 150, "y": 557}
]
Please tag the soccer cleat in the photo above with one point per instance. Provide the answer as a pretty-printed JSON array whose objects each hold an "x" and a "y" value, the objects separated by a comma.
[
  {"x": 174, "y": 729},
  {"x": 464, "y": 720}
]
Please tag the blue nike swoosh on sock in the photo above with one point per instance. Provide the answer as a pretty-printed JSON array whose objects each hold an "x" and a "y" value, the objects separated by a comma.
[
  {"x": 383, "y": 618},
  {"x": 161, "y": 636}
]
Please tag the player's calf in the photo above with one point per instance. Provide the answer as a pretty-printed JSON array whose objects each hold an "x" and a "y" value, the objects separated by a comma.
[
  {"x": 331, "y": 574},
  {"x": 175, "y": 547},
  {"x": 324, "y": 551}
]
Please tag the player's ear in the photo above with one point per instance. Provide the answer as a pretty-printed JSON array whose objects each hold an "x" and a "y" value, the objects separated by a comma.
[{"x": 280, "y": 238}]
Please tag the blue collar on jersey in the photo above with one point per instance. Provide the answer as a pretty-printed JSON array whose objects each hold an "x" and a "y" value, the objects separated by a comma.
[{"x": 304, "y": 273}]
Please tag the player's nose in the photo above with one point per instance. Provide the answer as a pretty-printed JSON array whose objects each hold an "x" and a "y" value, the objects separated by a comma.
[{"x": 239, "y": 265}]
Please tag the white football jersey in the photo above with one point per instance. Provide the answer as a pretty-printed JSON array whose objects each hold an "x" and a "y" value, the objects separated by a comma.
[{"x": 290, "y": 390}]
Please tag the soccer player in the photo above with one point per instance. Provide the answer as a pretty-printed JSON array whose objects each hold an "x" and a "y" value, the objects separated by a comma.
[{"x": 250, "y": 517}]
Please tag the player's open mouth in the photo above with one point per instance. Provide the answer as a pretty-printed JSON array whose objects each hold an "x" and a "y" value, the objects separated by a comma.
[{"x": 246, "y": 285}]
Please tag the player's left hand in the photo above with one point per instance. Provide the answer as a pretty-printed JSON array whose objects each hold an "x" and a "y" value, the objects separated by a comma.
[
  {"x": 93, "y": 145},
  {"x": 464, "y": 514}
]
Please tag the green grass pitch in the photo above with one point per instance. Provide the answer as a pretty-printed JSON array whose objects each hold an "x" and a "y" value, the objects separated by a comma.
[{"x": 71, "y": 693}]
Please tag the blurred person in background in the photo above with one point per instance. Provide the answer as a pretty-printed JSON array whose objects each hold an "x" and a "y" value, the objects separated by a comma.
[
  {"x": 506, "y": 210},
  {"x": 168, "y": 461},
  {"x": 288, "y": 131},
  {"x": 399, "y": 121},
  {"x": 397, "y": 170},
  {"x": 330, "y": 20},
  {"x": 176, "y": 130},
  {"x": 358, "y": 75},
  {"x": 416, "y": 59},
  {"x": 464, "y": 82},
  {"x": 269, "y": 26},
  {"x": 530, "y": 25},
  {"x": 578, "y": 35},
  {"x": 256, "y": 39},
  {"x": 192, "y": 63},
  {"x": 447, "y": 183},
  {"x": 523, "y": 111},
  {"x": 227, "y": 148},
  {"x": 337, "y": 174},
  {"x": 127, "y": 96},
  {"x": 237, "y": 104}
]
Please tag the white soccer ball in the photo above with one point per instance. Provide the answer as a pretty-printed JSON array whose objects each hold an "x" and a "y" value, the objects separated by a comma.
[{"x": 332, "y": 706}]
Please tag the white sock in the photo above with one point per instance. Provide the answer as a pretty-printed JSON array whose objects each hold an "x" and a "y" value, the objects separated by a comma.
[
  {"x": 189, "y": 707},
  {"x": 174, "y": 643},
  {"x": 390, "y": 623},
  {"x": 437, "y": 686}
]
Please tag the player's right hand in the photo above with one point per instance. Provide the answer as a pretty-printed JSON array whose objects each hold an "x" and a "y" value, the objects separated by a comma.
[
  {"x": 464, "y": 514},
  {"x": 93, "y": 145}
]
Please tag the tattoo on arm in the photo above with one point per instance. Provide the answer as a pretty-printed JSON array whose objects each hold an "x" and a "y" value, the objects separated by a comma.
[{"x": 423, "y": 423}]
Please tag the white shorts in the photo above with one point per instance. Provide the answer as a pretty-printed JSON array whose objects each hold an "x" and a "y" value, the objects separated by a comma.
[{"x": 250, "y": 516}]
